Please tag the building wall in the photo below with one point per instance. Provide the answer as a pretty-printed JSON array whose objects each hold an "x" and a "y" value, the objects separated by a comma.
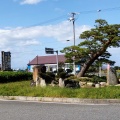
[{"x": 53, "y": 67}]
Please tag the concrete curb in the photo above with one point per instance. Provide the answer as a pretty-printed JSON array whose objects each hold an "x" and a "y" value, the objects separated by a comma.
[{"x": 62, "y": 100}]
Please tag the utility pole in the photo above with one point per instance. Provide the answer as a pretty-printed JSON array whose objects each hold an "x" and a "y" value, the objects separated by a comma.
[
  {"x": 72, "y": 18},
  {"x": 100, "y": 65}
]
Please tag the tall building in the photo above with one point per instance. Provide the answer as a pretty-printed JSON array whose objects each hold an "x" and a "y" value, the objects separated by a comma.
[{"x": 6, "y": 60}]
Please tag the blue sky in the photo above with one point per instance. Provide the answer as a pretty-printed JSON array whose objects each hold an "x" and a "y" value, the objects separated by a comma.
[{"x": 28, "y": 26}]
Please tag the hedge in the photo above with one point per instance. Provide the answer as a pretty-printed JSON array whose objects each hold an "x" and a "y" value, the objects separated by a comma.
[{"x": 10, "y": 76}]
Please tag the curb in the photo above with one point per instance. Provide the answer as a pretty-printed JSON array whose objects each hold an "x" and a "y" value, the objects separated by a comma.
[{"x": 62, "y": 100}]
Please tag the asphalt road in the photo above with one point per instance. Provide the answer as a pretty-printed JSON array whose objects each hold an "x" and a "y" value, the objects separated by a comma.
[{"x": 16, "y": 110}]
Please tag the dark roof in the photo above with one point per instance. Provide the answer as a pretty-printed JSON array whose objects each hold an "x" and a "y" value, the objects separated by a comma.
[{"x": 47, "y": 60}]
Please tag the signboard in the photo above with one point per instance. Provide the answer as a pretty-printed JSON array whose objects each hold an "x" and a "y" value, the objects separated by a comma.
[
  {"x": 6, "y": 60},
  {"x": 49, "y": 51}
]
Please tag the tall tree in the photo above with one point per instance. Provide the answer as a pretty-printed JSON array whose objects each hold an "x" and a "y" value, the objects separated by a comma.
[{"x": 94, "y": 47}]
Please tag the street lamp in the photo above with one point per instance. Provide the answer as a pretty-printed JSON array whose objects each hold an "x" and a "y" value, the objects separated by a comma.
[
  {"x": 98, "y": 13},
  {"x": 67, "y": 40}
]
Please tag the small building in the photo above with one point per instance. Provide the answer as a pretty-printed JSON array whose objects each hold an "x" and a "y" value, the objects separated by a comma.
[{"x": 50, "y": 62}]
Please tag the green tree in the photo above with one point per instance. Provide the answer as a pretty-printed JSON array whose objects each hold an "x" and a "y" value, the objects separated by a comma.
[
  {"x": 116, "y": 67},
  {"x": 93, "y": 48}
]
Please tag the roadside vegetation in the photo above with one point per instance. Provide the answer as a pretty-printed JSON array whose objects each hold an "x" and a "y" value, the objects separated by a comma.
[
  {"x": 11, "y": 76},
  {"x": 23, "y": 88},
  {"x": 90, "y": 54}
]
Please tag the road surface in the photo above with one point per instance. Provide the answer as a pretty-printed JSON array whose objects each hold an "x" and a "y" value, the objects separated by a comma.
[{"x": 16, "y": 110}]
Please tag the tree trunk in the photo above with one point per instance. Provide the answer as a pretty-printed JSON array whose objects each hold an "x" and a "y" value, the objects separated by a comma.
[
  {"x": 83, "y": 70},
  {"x": 91, "y": 60},
  {"x": 86, "y": 66}
]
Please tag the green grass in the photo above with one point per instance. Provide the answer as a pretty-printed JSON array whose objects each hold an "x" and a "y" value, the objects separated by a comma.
[{"x": 24, "y": 89}]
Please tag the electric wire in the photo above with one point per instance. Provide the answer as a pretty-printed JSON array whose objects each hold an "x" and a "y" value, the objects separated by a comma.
[{"x": 63, "y": 17}]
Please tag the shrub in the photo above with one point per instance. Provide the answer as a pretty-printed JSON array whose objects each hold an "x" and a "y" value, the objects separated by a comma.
[
  {"x": 48, "y": 79},
  {"x": 71, "y": 76},
  {"x": 62, "y": 75},
  {"x": 97, "y": 79},
  {"x": 10, "y": 76},
  {"x": 43, "y": 69},
  {"x": 60, "y": 70},
  {"x": 51, "y": 74},
  {"x": 84, "y": 79}
]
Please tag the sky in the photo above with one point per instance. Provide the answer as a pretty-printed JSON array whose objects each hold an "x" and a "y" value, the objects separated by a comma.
[{"x": 27, "y": 27}]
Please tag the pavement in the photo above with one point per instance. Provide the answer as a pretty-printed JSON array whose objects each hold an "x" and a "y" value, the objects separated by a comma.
[{"x": 61, "y": 100}]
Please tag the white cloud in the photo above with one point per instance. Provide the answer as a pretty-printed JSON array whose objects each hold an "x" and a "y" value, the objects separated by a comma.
[
  {"x": 19, "y": 40},
  {"x": 28, "y": 43},
  {"x": 23, "y": 36},
  {"x": 31, "y": 1}
]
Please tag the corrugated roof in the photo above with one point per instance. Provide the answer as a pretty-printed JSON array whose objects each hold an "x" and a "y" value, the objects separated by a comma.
[{"x": 47, "y": 60}]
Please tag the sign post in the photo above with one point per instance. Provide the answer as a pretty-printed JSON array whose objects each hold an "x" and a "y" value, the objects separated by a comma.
[
  {"x": 51, "y": 51},
  {"x": 57, "y": 59}
]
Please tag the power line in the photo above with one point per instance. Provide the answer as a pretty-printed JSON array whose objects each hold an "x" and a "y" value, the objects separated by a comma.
[
  {"x": 101, "y": 10},
  {"x": 64, "y": 17},
  {"x": 80, "y": 12},
  {"x": 48, "y": 21}
]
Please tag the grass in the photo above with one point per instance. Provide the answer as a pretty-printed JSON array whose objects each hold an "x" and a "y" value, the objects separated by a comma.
[{"x": 24, "y": 89}]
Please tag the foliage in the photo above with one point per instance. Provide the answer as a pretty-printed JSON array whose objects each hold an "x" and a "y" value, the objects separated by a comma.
[
  {"x": 97, "y": 79},
  {"x": 51, "y": 74},
  {"x": 61, "y": 64},
  {"x": 63, "y": 75},
  {"x": 92, "y": 78},
  {"x": 43, "y": 69},
  {"x": 47, "y": 77},
  {"x": 84, "y": 79},
  {"x": 93, "y": 49},
  {"x": 60, "y": 70},
  {"x": 23, "y": 89},
  {"x": 118, "y": 75},
  {"x": 116, "y": 67},
  {"x": 10, "y": 76}
]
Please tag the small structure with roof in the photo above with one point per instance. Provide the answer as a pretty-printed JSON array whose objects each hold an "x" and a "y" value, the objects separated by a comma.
[{"x": 48, "y": 61}]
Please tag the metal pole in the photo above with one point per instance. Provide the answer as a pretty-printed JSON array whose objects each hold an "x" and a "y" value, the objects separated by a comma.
[
  {"x": 57, "y": 59},
  {"x": 72, "y": 18},
  {"x": 74, "y": 31},
  {"x": 74, "y": 68},
  {"x": 37, "y": 59}
]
